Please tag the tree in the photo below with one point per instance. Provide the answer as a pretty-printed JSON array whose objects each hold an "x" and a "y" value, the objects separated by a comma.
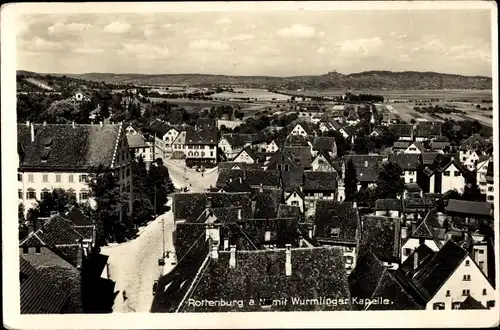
[
  {"x": 59, "y": 201},
  {"x": 110, "y": 203},
  {"x": 472, "y": 191},
  {"x": 61, "y": 111},
  {"x": 160, "y": 179},
  {"x": 390, "y": 184},
  {"x": 350, "y": 181},
  {"x": 143, "y": 189}
]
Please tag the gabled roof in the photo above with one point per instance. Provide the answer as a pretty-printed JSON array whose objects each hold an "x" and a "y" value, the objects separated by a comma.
[
  {"x": 429, "y": 228},
  {"x": 364, "y": 160},
  {"x": 237, "y": 139},
  {"x": 427, "y": 130},
  {"x": 61, "y": 146},
  {"x": 300, "y": 155},
  {"x": 337, "y": 165},
  {"x": 136, "y": 141},
  {"x": 471, "y": 303},
  {"x": 38, "y": 295},
  {"x": 288, "y": 211},
  {"x": 350, "y": 130},
  {"x": 474, "y": 138},
  {"x": 237, "y": 165},
  {"x": 422, "y": 254},
  {"x": 237, "y": 185},
  {"x": 401, "y": 145},
  {"x": 428, "y": 157},
  {"x": 261, "y": 275},
  {"x": 388, "y": 204},
  {"x": 266, "y": 178},
  {"x": 295, "y": 191},
  {"x": 249, "y": 152},
  {"x": 282, "y": 157},
  {"x": 439, "y": 145},
  {"x": 265, "y": 203},
  {"x": 206, "y": 123},
  {"x": 317, "y": 181},
  {"x": 433, "y": 274},
  {"x": 418, "y": 145},
  {"x": 468, "y": 207},
  {"x": 331, "y": 215},
  {"x": 372, "y": 280},
  {"x": 160, "y": 128},
  {"x": 367, "y": 174},
  {"x": 381, "y": 235},
  {"x": 292, "y": 178},
  {"x": 407, "y": 162},
  {"x": 206, "y": 135},
  {"x": 306, "y": 127}
]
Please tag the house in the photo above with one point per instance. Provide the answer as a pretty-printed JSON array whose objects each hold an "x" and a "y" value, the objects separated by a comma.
[
  {"x": 427, "y": 131},
  {"x": 381, "y": 235},
  {"x": 140, "y": 148},
  {"x": 318, "y": 186},
  {"x": 367, "y": 177},
  {"x": 282, "y": 160},
  {"x": 428, "y": 157},
  {"x": 291, "y": 179},
  {"x": 236, "y": 186},
  {"x": 414, "y": 148},
  {"x": 295, "y": 198},
  {"x": 445, "y": 174},
  {"x": 338, "y": 224},
  {"x": 372, "y": 281},
  {"x": 415, "y": 209},
  {"x": 63, "y": 155},
  {"x": 472, "y": 160},
  {"x": 353, "y": 118},
  {"x": 404, "y": 132},
  {"x": 164, "y": 135},
  {"x": 465, "y": 214},
  {"x": 400, "y": 146},
  {"x": 324, "y": 144},
  {"x": 412, "y": 190},
  {"x": 449, "y": 277},
  {"x": 481, "y": 171},
  {"x": 390, "y": 207},
  {"x": 428, "y": 232},
  {"x": 337, "y": 111},
  {"x": 201, "y": 146},
  {"x": 475, "y": 142},
  {"x": 490, "y": 184},
  {"x": 302, "y": 129},
  {"x": 79, "y": 96},
  {"x": 179, "y": 145},
  {"x": 287, "y": 273},
  {"x": 246, "y": 156},
  {"x": 409, "y": 163},
  {"x": 301, "y": 155},
  {"x": 440, "y": 144},
  {"x": 130, "y": 130},
  {"x": 322, "y": 162},
  {"x": 255, "y": 178},
  {"x": 232, "y": 144}
]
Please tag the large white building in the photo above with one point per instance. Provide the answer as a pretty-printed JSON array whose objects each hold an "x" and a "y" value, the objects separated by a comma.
[{"x": 63, "y": 155}]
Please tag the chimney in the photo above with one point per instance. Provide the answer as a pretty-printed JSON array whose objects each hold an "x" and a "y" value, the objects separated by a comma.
[
  {"x": 311, "y": 232},
  {"x": 261, "y": 189},
  {"x": 241, "y": 179},
  {"x": 100, "y": 123},
  {"x": 44, "y": 123},
  {"x": 215, "y": 251},
  {"x": 73, "y": 124},
  {"x": 226, "y": 244},
  {"x": 32, "y": 127},
  {"x": 239, "y": 214},
  {"x": 27, "y": 123},
  {"x": 232, "y": 257},
  {"x": 301, "y": 241},
  {"x": 415, "y": 259},
  {"x": 288, "y": 262},
  {"x": 404, "y": 232}
]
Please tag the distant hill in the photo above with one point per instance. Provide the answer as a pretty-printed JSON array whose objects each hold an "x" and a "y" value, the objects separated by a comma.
[{"x": 332, "y": 80}]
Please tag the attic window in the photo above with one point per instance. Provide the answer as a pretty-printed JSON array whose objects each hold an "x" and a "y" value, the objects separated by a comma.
[
  {"x": 45, "y": 156},
  {"x": 48, "y": 142},
  {"x": 334, "y": 232}
]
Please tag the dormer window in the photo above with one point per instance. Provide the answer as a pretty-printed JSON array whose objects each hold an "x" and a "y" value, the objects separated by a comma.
[
  {"x": 334, "y": 232},
  {"x": 48, "y": 142}
]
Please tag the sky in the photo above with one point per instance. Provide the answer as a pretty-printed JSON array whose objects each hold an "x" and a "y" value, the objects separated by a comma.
[{"x": 267, "y": 43}]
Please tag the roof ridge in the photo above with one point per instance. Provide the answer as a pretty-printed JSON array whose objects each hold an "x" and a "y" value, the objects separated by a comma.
[
  {"x": 197, "y": 277},
  {"x": 115, "y": 152}
]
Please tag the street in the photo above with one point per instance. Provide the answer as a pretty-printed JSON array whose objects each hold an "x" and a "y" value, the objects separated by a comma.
[{"x": 133, "y": 265}]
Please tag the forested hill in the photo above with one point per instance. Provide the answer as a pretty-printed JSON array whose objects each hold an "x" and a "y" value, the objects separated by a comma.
[{"x": 332, "y": 80}]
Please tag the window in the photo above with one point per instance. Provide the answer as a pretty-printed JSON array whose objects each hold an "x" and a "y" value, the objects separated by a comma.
[
  {"x": 456, "y": 305},
  {"x": 84, "y": 195},
  {"x": 348, "y": 260},
  {"x": 25, "y": 250},
  {"x": 481, "y": 251},
  {"x": 83, "y": 178},
  {"x": 19, "y": 177},
  {"x": 464, "y": 158},
  {"x": 31, "y": 194},
  {"x": 411, "y": 172},
  {"x": 411, "y": 180},
  {"x": 446, "y": 173},
  {"x": 71, "y": 193},
  {"x": 407, "y": 251},
  {"x": 128, "y": 172},
  {"x": 70, "y": 178},
  {"x": 413, "y": 149},
  {"x": 465, "y": 292},
  {"x": 490, "y": 189},
  {"x": 481, "y": 265},
  {"x": 456, "y": 173},
  {"x": 438, "y": 305},
  {"x": 30, "y": 178},
  {"x": 466, "y": 278},
  {"x": 490, "y": 303},
  {"x": 38, "y": 250},
  {"x": 490, "y": 198},
  {"x": 484, "y": 292},
  {"x": 58, "y": 177},
  {"x": 448, "y": 293},
  {"x": 211, "y": 153},
  {"x": 467, "y": 263},
  {"x": 45, "y": 178},
  {"x": 267, "y": 236},
  {"x": 45, "y": 194},
  {"x": 335, "y": 232}
]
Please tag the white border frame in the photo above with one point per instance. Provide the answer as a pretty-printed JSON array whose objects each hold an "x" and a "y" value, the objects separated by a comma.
[{"x": 12, "y": 317}]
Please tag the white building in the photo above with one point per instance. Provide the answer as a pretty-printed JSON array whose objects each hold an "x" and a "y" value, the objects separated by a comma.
[
  {"x": 139, "y": 147},
  {"x": 481, "y": 172},
  {"x": 63, "y": 155},
  {"x": 449, "y": 177},
  {"x": 295, "y": 198},
  {"x": 245, "y": 156}
]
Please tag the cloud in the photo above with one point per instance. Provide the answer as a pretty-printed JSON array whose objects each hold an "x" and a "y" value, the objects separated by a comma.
[
  {"x": 321, "y": 50},
  {"x": 72, "y": 28},
  {"x": 205, "y": 44},
  {"x": 321, "y": 34},
  {"x": 88, "y": 50},
  {"x": 364, "y": 45},
  {"x": 145, "y": 51},
  {"x": 297, "y": 31},
  {"x": 243, "y": 37},
  {"x": 267, "y": 50},
  {"x": 41, "y": 45},
  {"x": 117, "y": 28},
  {"x": 223, "y": 20}
]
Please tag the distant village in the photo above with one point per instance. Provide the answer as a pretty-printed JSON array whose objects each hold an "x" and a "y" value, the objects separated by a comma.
[{"x": 343, "y": 203}]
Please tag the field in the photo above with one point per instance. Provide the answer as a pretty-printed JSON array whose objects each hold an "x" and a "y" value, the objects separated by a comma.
[{"x": 253, "y": 94}]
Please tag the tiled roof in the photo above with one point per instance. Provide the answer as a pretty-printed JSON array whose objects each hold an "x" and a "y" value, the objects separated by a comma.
[
  {"x": 438, "y": 145},
  {"x": 206, "y": 122},
  {"x": 401, "y": 144},
  {"x": 206, "y": 135},
  {"x": 76, "y": 215},
  {"x": 282, "y": 157},
  {"x": 55, "y": 231},
  {"x": 469, "y": 142},
  {"x": 429, "y": 157},
  {"x": 252, "y": 177},
  {"x": 300, "y": 155},
  {"x": 266, "y": 203},
  {"x": 292, "y": 178},
  {"x": 189, "y": 206},
  {"x": 427, "y": 130},
  {"x": 367, "y": 174},
  {"x": 412, "y": 187},
  {"x": 422, "y": 253},
  {"x": 388, "y": 204},
  {"x": 407, "y": 162},
  {"x": 159, "y": 127},
  {"x": 402, "y": 130},
  {"x": 323, "y": 143},
  {"x": 136, "y": 141},
  {"x": 38, "y": 295},
  {"x": 372, "y": 280},
  {"x": 237, "y": 185},
  {"x": 295, "y": 191},
  {"x": 330, "y": 215},
  {"x": 428, "y": 228},
  {"x": 260, "y": 275},
  {"x": 349, "y": 130},
  {"x": 433, "y": 274},
  {"x": 236, "y": 139},
  {"x": 364, "y": 160},
  {"x": 236, "y": 165},
  {"x": 468, "y": 207},
  {"x": 87, "y": 231},
  {"x": 320, "y": 181},
  {"x": 417, "y": 203},
  {"x": 250, "y": 153},
  {"x": 298, "y": 140},
  {"x": 381, "y": 235},
  {"x": 64, "y": 146},
  {"x": 288, "y": 211}
]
